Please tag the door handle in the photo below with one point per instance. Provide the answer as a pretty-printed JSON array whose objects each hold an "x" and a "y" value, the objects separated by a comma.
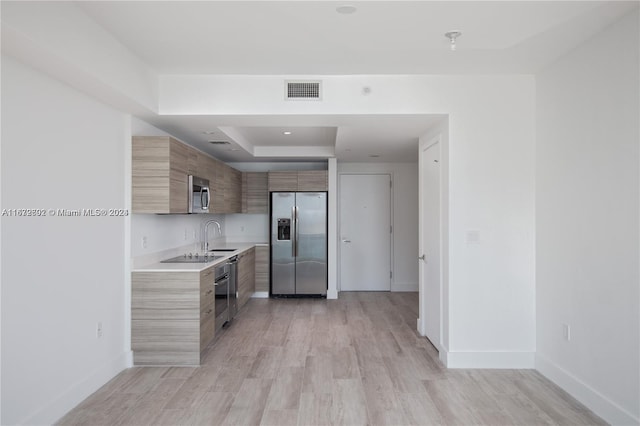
[
  {"x": 422, "y": 258},
  {"x": 292, "y": 231},
  {"x": 346, "y": 241},
  {"x": 297, "y": 232}
]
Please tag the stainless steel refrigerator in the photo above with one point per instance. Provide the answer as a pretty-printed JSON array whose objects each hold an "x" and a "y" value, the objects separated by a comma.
[{"x": 298, "y": 243}]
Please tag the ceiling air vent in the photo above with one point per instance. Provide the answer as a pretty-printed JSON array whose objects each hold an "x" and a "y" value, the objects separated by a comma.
[
  {"x": 219, "y": 143},
  {"x": 303, "y": 90}
]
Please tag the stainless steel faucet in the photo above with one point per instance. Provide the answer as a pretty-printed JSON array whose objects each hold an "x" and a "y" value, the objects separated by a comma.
[{"x": 205, "y": 234}]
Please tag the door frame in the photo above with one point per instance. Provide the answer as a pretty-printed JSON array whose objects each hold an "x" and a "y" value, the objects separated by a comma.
[
  {"x": 421, "y": 323},
  {"x": 391, "y": 237}
]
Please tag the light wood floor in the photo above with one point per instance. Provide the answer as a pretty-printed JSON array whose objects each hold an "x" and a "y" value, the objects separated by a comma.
[{"x": 352, "y": 361}]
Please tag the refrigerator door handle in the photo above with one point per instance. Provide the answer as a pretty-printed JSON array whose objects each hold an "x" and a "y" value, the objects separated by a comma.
[
  {"x": 297, "y": 232},
  {"x": 293, "y": 231}
]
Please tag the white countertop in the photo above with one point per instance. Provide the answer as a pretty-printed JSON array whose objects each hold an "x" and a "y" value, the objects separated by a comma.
[{"x": 198, "y": 267}]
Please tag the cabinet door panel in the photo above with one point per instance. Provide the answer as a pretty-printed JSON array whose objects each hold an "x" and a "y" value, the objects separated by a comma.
[
  {"x": 255, "y": 192},
  {"x": 207, "y": 328},
  {"x": 217, "y": 187},
  {"x": 283, "y": 181},
  {"x": 178, "y": 193},
  {"x": 246, "y": 276},
  {"x": 262, "y": 268},
  {"x": 207, "y": 295},
  {"x": 313, "y": 180},
  {"x": 170, "y": 295},
  {"x": 178, "y": 335},
  {"x": 233, "y": 190}
]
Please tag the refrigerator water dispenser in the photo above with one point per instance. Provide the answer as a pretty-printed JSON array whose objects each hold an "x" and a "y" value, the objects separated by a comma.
[{"x": 284, "y": 229}]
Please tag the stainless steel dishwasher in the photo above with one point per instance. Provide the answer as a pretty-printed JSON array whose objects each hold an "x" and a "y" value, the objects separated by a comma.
[{"x": 233, "y": 286}]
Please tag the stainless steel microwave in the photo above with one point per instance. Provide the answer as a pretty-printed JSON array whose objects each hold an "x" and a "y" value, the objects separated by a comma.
[{"x": 199, "y": 195}]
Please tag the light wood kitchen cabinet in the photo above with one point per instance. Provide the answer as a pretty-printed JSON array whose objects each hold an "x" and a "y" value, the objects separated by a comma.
[
  {"x": 172, "y": 316},
  {"x": 161, "y": 166},
  {"x": 246, "y": 276},
  {"x": 194, "y": 162},
  {"x": 262, "y": 268},
  {"x": 302, "y": 180},
  {"x": 232, "y": 190},
  {"x": 313, "y": 180},
  {"x": 283, "y": 181},
  {"x": 216, "y": 183},
  {"x": 159, "y": 175},
  {"x": 255, "y": 192}
]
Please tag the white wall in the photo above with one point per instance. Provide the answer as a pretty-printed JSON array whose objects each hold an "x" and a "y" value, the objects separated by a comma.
[
  {"x": 247, "y": 227},
  {"x": 59, "y": 39},
  {"x": 587, "y": 222},
  {"x": 60, "y": 275},
  {"x": 405, "y": 218}
]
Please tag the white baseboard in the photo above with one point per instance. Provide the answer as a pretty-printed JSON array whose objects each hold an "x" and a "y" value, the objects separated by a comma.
[
  {"x": 332, "y": 294},
  {"x": 404, "y": 287},
  {"x": 507, "y": 360},
  {"x": 54, "y": 410},
  {"x": 611, "y": 412},
  {"x": 260, "y": 295}
]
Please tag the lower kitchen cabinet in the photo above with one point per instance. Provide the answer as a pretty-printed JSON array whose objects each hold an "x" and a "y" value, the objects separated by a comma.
[
  {"x": 262, "y": 268},
  {"x": 172, "y": 316},
  {"x": 246, "y": 276}
]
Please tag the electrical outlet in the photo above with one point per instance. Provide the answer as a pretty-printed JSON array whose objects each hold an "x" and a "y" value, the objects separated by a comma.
[
  {"x": 144, "y": 242},
  {"x": 242, "y": 229},
  {"x": 566, "y": 332},
  {"x": 186, "y": 234},
  {"x": 194, "y": 234},
  {"x": 99, "y": 329}
]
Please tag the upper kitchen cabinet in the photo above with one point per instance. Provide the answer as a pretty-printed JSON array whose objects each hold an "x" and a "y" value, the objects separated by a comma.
[
  {"x": 255, "y": 192},
  {"x": 159, "y": 175},
  {"x": 283, "y": 181},
  {"x": 232, "y": 190},
  {"x": 226, "y": 187},
  {"x": 313, "y": 180},
  {"x": 161, "y": 166},
  {"x": 194, "y": 162},
  {"x": 308, "y": 180}
]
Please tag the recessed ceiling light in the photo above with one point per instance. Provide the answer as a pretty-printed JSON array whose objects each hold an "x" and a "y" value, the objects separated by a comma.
[
  {"x": 286, "y": 133},
  {"x": 209, "y": 132},
  {"x": 233, "y": 149},
  {"x": 347, "y": 9},
  {"x": 219, "y": 143},
  {"x": 374, "y": 155}
]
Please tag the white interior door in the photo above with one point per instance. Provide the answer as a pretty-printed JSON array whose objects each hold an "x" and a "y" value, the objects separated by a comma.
[
  {"x": 430, "y": 279},
  {"x": 365, "y": 232}
]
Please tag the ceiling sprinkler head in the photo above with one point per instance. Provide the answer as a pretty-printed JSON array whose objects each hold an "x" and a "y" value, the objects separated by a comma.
[{"x": 452, "y": 36}]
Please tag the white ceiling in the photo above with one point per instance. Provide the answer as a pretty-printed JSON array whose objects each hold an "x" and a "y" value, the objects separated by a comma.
[
  {"x": 381, "y": 37},
  {"x": 298, "y": 136},
  {"x": 310, "y": 37},
  {"x": 394, "y": 138}
]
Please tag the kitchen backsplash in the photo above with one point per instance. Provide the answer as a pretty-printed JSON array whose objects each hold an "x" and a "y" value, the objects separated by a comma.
[
  {"x": 247, "y": 227},
  {"x": 151, "y": 233}
]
